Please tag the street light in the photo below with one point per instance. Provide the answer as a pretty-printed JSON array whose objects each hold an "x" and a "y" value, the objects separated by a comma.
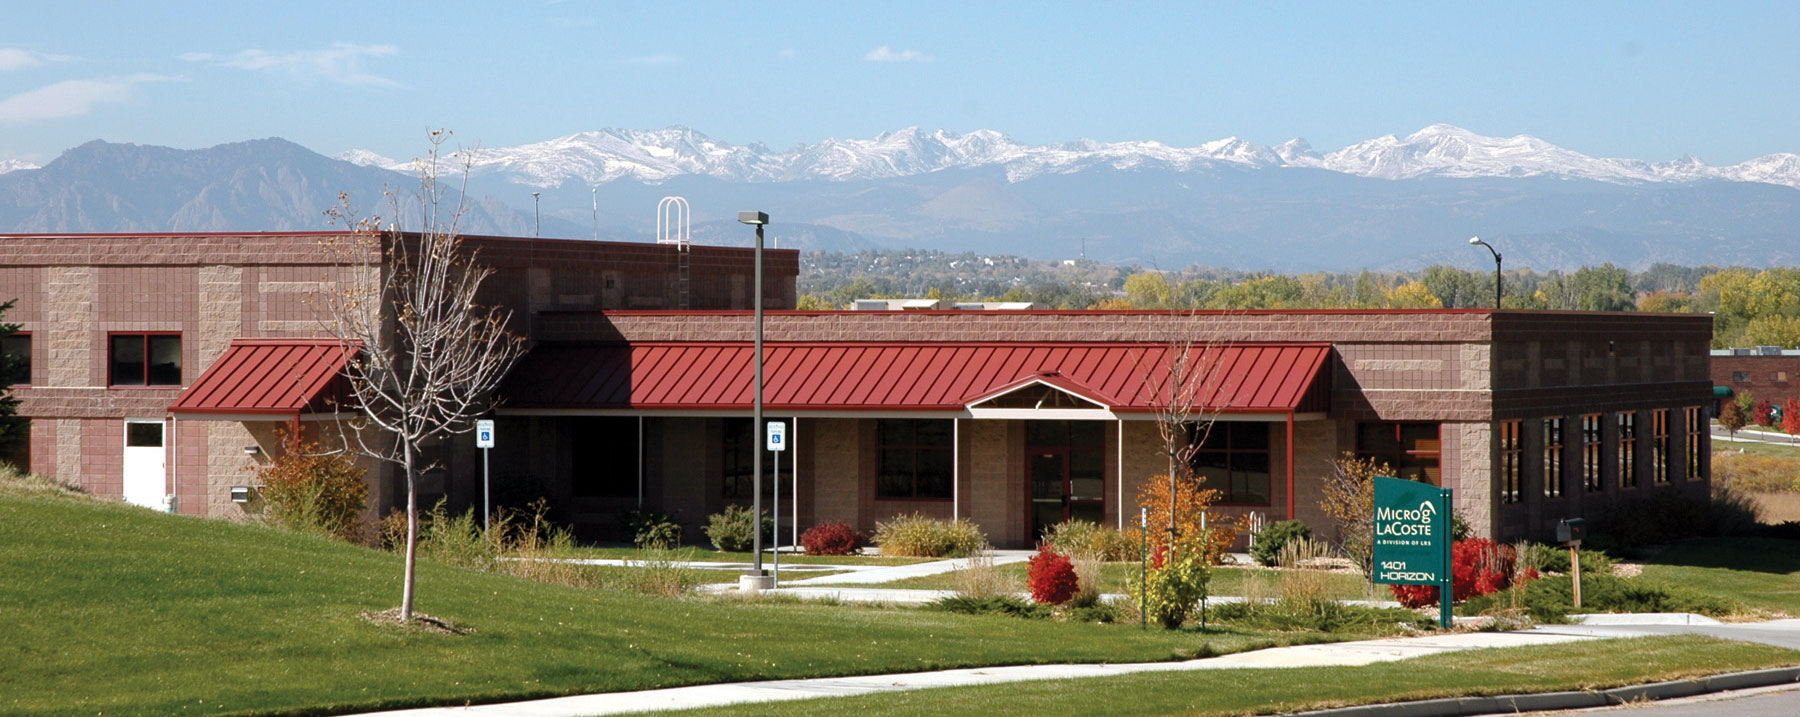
[
  {"x": 1490, "y": 248},
  {"x": 535, "y": 215},
  {"x": 756, "y": 579}
]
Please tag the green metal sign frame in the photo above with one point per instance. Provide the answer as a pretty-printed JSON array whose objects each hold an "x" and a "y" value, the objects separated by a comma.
[{"x": 1412, "y": 537}]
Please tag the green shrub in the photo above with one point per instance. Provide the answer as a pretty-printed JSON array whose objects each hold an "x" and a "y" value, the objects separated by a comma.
[
  {"x": 1267, "y": 543},
  {"x": 1175, "y": 584},
  {"x": 730, "y": 531},
  {"x": 1555, "y": 559},
  {"x": 1083, "y": 538},
  {"x": 1551, "y": 599},
  {"x": 651, "y": 530},
  {"x": 995, "y": 605},
  {"x": 308, "y": 489},
  {"x": 1097, "y": 612},
  {"x": 920, "y": 536}
]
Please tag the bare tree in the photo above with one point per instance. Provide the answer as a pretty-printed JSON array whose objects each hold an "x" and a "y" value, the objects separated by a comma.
[
  {"x": 430, "y": 357},
  {"x": 1182, "y": 395}
]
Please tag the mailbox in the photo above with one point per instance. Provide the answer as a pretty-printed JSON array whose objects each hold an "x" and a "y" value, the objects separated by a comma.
[{"x": 1571, "y": 530}]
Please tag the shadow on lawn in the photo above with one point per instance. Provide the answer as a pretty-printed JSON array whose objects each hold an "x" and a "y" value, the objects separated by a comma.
[{"x": 1762, "y": 555}]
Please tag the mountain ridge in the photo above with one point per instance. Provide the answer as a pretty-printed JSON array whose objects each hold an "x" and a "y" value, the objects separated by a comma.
[{"x": 1443, "y": 150}]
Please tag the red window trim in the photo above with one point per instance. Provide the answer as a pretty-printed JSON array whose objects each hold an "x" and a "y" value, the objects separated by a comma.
[
  {"x": 146, "y": 384},
  {"x": 29, "y": 350}
]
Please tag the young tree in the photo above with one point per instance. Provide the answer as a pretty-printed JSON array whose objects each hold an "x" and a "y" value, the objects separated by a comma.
[
  {"x": 430, "y": 356},
  {"x": 1764, "y": 415},
  {"x": 1732, "y": 418},
  {"x": 1349, "y": 498}
]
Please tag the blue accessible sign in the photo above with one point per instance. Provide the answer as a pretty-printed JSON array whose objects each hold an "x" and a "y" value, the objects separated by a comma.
[{"x": 1412, "y": 537}]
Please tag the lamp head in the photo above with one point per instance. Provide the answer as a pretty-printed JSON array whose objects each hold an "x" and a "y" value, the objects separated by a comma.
[
  {"x": 753, "y": 217},
  {"x": 1474, "y": 240}
]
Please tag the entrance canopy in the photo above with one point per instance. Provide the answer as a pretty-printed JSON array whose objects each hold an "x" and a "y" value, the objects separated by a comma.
[
  {"x": 264, "y": 379},
  {"x": 952, "y": 379}
]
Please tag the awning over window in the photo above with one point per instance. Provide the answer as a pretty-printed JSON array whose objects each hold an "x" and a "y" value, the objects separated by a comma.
[
  {"x": 883, "y": 377},
  {"x": 267, "y": 378}
]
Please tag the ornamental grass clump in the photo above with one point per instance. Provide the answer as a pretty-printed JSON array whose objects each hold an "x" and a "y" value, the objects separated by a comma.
[
  {"x": 1268, "y": 542},
  {"x": 1052, "y": 577},
  {"x": 1082, "y": 537},
  {"x": 733, "y": 531},
  {"x": 925, "y": 537},
  {"x": 981, "y": 580}
]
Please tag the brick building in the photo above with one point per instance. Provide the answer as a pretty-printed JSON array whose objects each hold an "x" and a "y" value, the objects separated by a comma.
[
  {"x": 1767, "y": 373},
  {"x": 118, "y": 327},
  {"x": 162, "y": 366},
  {"x": 1019, "y": 419}
]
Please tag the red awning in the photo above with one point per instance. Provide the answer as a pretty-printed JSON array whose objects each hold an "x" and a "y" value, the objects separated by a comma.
[
  {"x": 267, "y": 377},
  {"x": 1241, "y": 378}
]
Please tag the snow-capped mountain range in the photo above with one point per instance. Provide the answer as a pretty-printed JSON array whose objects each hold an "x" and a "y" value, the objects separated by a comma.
[
  {"x": 654, "y": 156},
  {"x": 14, "y": 165}
]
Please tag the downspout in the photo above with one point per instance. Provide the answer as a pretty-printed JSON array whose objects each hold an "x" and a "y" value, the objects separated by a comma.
[{"x": 955, "y": 469}]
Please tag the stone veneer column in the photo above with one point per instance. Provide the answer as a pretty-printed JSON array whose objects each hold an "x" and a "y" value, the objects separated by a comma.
[
  {"x": 69, "y": 331},
  {"x": 986, "y": 501},
  {"x": 1474, "y": 480},
  {"x": 221, "y": 312}
]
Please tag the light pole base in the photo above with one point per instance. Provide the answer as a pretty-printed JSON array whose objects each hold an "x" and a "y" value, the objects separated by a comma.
[{"x": 753, "y": 581}]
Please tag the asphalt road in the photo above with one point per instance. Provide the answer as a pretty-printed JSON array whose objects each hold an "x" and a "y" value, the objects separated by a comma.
[{"x": 1783, "y": 701}]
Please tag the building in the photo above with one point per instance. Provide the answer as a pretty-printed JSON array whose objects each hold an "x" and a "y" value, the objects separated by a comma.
[
  {"x": 1767, "y": 373},
  {"x": 163, "y": 365},
  {"x": 130, "y": 337}
]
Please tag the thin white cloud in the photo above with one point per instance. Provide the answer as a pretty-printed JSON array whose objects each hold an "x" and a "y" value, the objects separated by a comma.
[
  {"x": 70, "y": 98},
  {"x": 664, "y": 59},
  {"x": 887, "y": 54},
  {"x": 341, "y": 63},
  {"x": 787, "y": 54},
  {"x": 12, "y": 58}
]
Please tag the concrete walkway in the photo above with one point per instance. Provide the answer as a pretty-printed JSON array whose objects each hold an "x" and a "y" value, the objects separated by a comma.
[{"x": 1362, "y": 652}]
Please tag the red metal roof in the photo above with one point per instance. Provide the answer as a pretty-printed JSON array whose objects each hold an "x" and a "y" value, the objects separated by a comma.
[
  {"x": 266, "y": 376},
  {"x": 855, "y": 376}
]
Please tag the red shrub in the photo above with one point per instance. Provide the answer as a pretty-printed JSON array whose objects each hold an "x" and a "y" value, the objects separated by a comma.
[
  {"x": 1763, "y": 414},
  {"x": 1478, "y": 566},
  {"x": 832, "y": 537},
  {"x": 1052, "y": 577}
]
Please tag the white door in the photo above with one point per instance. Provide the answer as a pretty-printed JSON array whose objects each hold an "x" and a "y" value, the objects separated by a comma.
[{"x": 144, "y": 477}]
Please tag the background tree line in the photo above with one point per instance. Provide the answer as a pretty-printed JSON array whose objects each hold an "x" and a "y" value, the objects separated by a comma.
[{"x": 1751, "y": 306}]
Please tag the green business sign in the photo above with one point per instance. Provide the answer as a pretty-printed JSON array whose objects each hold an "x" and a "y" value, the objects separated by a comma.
[{"x": 1412, "y": 536}]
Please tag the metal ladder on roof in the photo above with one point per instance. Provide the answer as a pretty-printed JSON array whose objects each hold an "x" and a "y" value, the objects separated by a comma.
[{"x": 674, "y": 225}]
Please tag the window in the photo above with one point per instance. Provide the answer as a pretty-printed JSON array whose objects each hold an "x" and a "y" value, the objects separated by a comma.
[
  {"x": 604, "y": 462},
  {"x": 1740, "y": 376},
  {"x": 1696, "y": 423},
  {"x": 1659, "y": 446},
  {"x": 741, "y": 447},
  {"x": 1553, "y": 447},
  {"x": 145, "y": 360},
  {"x": 1512, "y": 454},
  {"x": 15, "y": 359},
  {"x": 1590, "y": 453},
  {"x": 1628, "y": 449},
  {"x": 1411, "y": 449},
  {"x": 1778, "y": 376},
  {"x": 914, "y": 460},
  {"x": 1233, "y": 458}
]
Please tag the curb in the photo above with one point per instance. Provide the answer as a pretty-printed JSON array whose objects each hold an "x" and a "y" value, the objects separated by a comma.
[{"x": 1458, "y": 706}]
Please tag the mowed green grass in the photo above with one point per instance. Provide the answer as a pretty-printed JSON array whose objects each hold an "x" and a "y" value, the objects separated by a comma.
[
  {"x": 1224, "y": 580},
  {"x": 1590, "y": 665},
  {"x": 1760, "y": 572},
  {"x": 112, "y": 609}
]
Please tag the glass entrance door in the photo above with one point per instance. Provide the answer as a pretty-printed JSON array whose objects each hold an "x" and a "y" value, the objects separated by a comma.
[{"x": 1067, "y": 464}]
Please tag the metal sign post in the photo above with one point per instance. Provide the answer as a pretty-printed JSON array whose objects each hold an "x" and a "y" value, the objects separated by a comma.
[
  {"x": 1412, "y": 537},
  {"x": 484, "y": 439},
  {"x": 777, "y": 444}
]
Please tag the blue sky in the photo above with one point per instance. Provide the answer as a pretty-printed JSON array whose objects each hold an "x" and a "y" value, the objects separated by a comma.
[{"x": 1640, "y": 80}]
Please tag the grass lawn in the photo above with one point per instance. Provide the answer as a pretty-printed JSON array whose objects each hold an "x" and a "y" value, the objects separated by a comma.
[
  {"x": 1758, "y": 449},
  {"x": 1577, "y": 666},
  {"x": 1760, "y": 572},
  {"x": 1224, "y": 581},
  {"x": 717, "y": 556},
  {"x": 115, "y": 609}
]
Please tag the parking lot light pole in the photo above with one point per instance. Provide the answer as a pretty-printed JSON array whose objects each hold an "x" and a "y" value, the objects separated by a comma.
[
  {"x": 756, "y": 579},
  {"x": 1491, "y": 250}
]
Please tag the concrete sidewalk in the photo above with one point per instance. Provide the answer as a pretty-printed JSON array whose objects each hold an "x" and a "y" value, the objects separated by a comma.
[{"x": 1362, "y": 652}]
